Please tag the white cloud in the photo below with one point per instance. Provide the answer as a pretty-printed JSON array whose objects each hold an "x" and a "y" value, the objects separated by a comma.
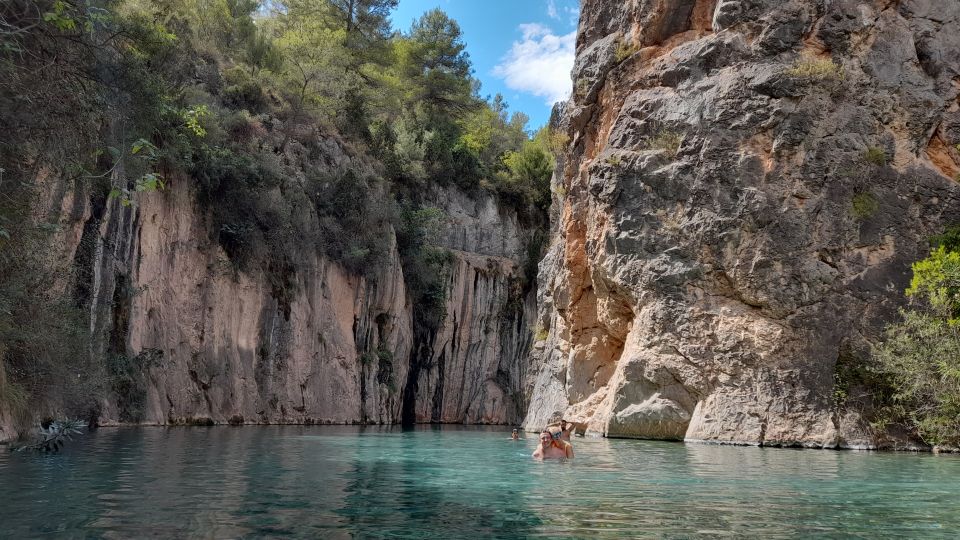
[
  {"x": 540, "y": 64},
  {"x": 552, "y": 10}
]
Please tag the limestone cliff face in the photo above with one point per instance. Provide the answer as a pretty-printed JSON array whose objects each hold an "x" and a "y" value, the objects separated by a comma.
[
  {"x": 745, "y": 186},
  {"x": 229, "y": 345},
  {"x": 474, "y": 371},
  {"x": 206, "y": 342},
  {"x": 473, "y": 368}
]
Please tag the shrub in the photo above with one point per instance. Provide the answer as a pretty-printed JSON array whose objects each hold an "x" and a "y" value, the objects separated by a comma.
[
  {"x": 581, "y": 88},
  {"x": 816, "y": 69},
  {"x": 425, "y": 267},
  {"x": 354, "y": 215},
  {"x": 876, "y": 156},
  {"x": 385, "y": 367},
  {"x": 128, "y": 382},
  {"x": 921, "y": 354},
  {"x": 666, "y": 141},
  {"x": 54, "y": 435},
  {"x": 240, "y": 127},
  {"x": 949, "y": 240},
  {"x": 625, "y": 49},
  {"x": 540, "y": 333},
  {"x": 526, "y": 180},
  {"x": 864, "y": 205},
  {"x": 557, "y": 141}
]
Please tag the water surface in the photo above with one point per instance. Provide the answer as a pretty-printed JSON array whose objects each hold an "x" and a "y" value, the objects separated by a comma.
[{"x": 352, "y": 482}]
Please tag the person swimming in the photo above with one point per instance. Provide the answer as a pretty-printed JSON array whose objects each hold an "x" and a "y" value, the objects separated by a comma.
[
  {"x": 515, "y": 435},
  {"x": 552, "y": 446},
  {"x": 566, "y": 429}
]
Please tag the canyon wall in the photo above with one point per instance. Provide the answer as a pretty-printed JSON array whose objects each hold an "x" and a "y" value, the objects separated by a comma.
[
  {"x": 196, "y": 340},
  {"x": 745, "y": 185}
]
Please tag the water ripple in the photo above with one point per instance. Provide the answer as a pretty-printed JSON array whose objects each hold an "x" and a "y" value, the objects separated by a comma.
[{"x": 349, "y": 482}]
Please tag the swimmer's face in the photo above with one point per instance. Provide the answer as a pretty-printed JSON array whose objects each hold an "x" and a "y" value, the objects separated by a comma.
[{"x": 545, "y": 440}]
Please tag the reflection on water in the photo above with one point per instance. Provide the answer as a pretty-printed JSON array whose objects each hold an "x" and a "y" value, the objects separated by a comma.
[{"x": 348, "y": 482}]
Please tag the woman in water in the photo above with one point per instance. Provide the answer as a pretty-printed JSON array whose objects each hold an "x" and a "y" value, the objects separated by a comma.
[{"x": 552, "y": 446}]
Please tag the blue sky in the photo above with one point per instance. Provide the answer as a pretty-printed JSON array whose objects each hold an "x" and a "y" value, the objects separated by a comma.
[{"x": 522, "y": 49}]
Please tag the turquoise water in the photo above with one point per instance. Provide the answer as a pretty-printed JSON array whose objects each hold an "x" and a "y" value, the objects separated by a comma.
[{"x": 351, "y": 482}]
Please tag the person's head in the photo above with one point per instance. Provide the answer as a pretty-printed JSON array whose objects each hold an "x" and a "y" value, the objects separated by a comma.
[
  {"x": 546, "y": 439},
  {"x": 515, "y": 434},
  {"x": 556, "y": 436}
]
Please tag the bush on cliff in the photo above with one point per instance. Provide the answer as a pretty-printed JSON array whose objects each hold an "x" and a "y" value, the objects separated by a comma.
[{"x": 921, "y": 354}]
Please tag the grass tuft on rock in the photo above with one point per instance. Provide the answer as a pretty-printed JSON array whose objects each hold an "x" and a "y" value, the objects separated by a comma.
[
  {"x": 817, "y": 69},
  {"x": 876, "y": 156},
  {"x": 666, "y": 141},
  {"x": 864, "y": 205}
]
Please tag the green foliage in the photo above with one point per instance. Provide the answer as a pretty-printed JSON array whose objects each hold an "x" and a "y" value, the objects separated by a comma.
[
  {"x": 193, "y": 119},
  {"x": 528, "y": 172},
  {"x": 864, "y": 205},
  {"x": 53, "y": 436},
  {"x": 921, "y": 354},
  {"x": 43, "y": 332},
  {"x": 666, "y": 141},
  {"x": 936, "y": 283},
  {"x": 13, "y": 397},
  {"x": 876, "y": 156},
  {"x": 354, "y": 220},
  {"x": 949, "y": 240},
  {"x": 557, "y": 142},
  {"x": 540, "y": 333},
  {"x": 425, "y": 267},
  {"x": 436, "y": 67},
  {"x": 243, "y": 91},
  {"x": 125, "y": 96},
  {"x": 817, "y": 69},
  {"x": 625, "y": 49},
  {"x": 385, "y": 373},
  {"x": 857, "y": 377},
  {"x": 580, "y": 89},
  {"x": 489, "y": 133},
  {"x": 128, "y": 382}
]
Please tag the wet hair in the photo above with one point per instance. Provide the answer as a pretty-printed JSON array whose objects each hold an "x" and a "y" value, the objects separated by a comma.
[{"x": 556, "y": 434}]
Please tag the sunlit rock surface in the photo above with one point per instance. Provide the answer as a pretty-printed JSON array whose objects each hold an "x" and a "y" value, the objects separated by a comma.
[
  {"x": 218, "y": 344},
  {"x": 744, "y": 188}
]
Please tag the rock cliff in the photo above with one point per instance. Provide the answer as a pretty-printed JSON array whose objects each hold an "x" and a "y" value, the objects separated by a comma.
[
  {"x": 745, "y": 186},
  {"x": 198, "y": 341}
]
